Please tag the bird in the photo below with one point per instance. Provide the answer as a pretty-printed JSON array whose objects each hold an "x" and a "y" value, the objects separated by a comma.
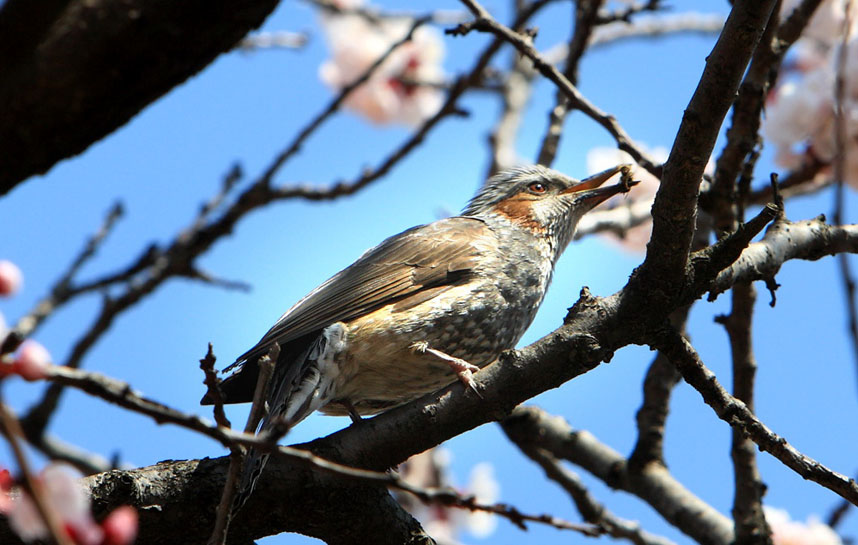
[{"x": 426, "y": 307}]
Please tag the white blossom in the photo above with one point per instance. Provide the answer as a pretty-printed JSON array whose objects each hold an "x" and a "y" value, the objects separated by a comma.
[{"x": 404, "y": 88}]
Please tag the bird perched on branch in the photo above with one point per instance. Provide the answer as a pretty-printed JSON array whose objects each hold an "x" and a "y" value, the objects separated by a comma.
[{"x": 424, "y": 307}]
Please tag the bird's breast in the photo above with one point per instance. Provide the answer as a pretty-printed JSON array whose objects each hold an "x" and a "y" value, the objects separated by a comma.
[{"x": 474, "y": 321}]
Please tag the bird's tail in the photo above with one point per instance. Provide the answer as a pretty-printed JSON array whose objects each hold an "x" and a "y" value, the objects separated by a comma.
[{"x": 303, "y": 381}]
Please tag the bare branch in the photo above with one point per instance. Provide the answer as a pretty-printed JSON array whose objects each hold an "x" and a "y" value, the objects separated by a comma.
[
  {"x": 625, "y": 14},
  {"x": 531, "y": 428},
  {"x": 87, "y": 463},
  {"x": 273, "y": 40},
  {"x": 651, "y": 418},
  {"x": 736, "y": 413},
  {"x": 674, "y": 210},
  {"x": 784, "y": 240},
  {"x": 588, "y": 506},
  {"x": 617, "y": 220},
  {"x": 653, "y": 26},
  {"x": 751, "y": 526},
  {"x": 586, "y": 19},
  {"x": 62, "y": 291},
  {"x": 486, "y": 23}
]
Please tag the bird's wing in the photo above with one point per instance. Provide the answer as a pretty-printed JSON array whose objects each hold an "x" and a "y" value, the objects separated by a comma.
[{"x": 419, "y": 261}]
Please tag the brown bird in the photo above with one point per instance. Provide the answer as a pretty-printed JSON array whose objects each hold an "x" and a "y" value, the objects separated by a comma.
[{"x": 424, "y": 307}]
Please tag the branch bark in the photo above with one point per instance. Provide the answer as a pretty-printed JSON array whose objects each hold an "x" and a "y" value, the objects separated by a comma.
[{"x": 76, "y": 70}]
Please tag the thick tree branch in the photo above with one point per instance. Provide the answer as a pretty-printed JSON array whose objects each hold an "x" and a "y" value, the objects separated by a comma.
[
  {"x": 75, "y": 71},
  {"x": 675, "y": 208}
]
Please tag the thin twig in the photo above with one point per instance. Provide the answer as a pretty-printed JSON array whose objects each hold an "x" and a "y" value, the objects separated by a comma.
[
  {"x": 335, "y": 104},
  {"x": 260, "y": 393},
  {"x": 377, "y": 16},
  {"x": 586, "y": 19},
  {"x": 484, "y": 22},
  {"x": 515, "y": 93},
  {"x": 591, "y": 509},
  {"x": 802, "y": 181},
  {"x": 212, "y": 383},
  {"x": 736, "y": 413},
  {"x": 647, "y": 27},
  {"x": 273, "y": 40},
  {"x": 843, "y": 148},
  {"x": 625, "y": 14},
  {"x": 88, "y": 463},
  {"x": 62, "y": 289}
]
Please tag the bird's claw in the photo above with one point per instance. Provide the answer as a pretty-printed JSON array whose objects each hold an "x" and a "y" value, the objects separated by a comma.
[
  {"x": 466, "y": 377},
  {"x": 464, "y": 370}
]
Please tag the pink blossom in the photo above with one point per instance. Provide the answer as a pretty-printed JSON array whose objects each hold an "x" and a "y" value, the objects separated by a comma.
[
  {"x": 402, "y": 89},
  {"x": 10, "y": 278},
  {"x": 432, "y": 469},
  {"x": 826, "y": 25},
  {"x": 66, "y": 498},
  {"x": 120, "y": 526},
  {"x": 800, "y": 111},
  {"x": 6, "y": 484},
  {"x": 789, "y": 532},
  {"x": 32, "y": 362}
]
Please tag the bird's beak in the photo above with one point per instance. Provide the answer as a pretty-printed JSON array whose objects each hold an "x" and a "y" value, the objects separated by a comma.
[{"x": 588, "y": 190}]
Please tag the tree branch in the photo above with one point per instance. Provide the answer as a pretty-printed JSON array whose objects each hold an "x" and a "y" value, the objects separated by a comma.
[
  {"x": 675, "y": 208},
  {"x": 785, "y": 240},
  {"x": 736, "y": 413},
  {"x": 76, "y": 70},
  {"x": 532, "y": 428}
]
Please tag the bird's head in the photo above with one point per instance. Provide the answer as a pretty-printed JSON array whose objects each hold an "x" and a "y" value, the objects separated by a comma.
[{"x": 543, "y": 200}]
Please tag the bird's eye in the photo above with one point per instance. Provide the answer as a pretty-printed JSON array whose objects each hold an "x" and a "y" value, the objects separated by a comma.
[{"x": 537, "y": 187}]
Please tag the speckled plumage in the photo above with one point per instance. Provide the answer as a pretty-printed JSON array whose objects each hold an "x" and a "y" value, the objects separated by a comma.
[{"x": 467, "y": 286}]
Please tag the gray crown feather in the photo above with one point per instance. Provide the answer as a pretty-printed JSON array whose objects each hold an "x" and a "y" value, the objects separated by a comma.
[{"x": 508, "y": 182}]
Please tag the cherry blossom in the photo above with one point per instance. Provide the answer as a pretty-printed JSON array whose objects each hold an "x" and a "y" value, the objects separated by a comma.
[
  {"x": 402, "y": 89},
  {"x": 10, "y": 278},
  {"x": 800, "y": 112},
  {"x": 432, "y": 469},
  {"x": 120, "y": 526},
  {"x": 31, "y": 361},
  {"x": 6, "y": 484},
  {"x": 64, "y": 496},
  {"x": 67, "y": 498},
  {"x": 789, "y": 532}
]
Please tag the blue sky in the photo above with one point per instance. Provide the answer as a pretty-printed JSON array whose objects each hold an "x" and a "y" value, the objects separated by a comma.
[{"x": 244, "y": 108}]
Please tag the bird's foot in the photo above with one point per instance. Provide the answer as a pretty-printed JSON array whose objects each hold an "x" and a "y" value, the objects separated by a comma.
[
  {"x": 464, "y": 370},
  {"x": 353, "y": 414}
]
